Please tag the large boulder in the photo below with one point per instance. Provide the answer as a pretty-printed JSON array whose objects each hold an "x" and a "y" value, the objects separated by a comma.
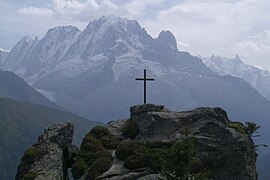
[{"x": 223, "y": 145}]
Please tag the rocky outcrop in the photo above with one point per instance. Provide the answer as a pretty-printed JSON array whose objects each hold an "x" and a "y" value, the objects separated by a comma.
[
  {"x": 135, "y": 148},
  {"x": 51, "y": 156},
  {"x": 223, "y": 146}
]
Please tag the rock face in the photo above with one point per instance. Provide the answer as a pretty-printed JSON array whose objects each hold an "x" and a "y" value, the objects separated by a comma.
[
  {"x": 51, "y": 156},
  {"x": 220, "y": 146}
]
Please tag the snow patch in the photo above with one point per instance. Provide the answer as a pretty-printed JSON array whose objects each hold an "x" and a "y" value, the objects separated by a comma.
[
  {"x": 48, "y": 94},
  {"x": 4, "y": 50}
]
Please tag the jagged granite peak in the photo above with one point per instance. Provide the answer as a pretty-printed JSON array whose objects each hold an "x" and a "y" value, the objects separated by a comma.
[
  {"x": 106, "y": 22},
  {"x": 167, "y": 39},
  {"x": 26, "y": 39},
  {"x": 62, "y": 29},
  {"x": 110, "y": 33},
  {"x": 51, "y": 156},
  {"x": 55, "y": 43},
  {"x": 256, "y": 77},
  {"x": 230, "y": 152},
  {"x": 17, "y": 53}
]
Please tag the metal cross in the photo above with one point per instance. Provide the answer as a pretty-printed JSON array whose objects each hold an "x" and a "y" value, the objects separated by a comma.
[{"x": 145, "y": 79}]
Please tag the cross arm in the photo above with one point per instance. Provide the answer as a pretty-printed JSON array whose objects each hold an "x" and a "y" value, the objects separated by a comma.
[{"x": 147, "y": 79}]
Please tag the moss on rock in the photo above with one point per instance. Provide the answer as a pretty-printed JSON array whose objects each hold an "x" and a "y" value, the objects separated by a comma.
[
  {"x": 30, "y": 176},
  {"x": 238, "y": 126}
]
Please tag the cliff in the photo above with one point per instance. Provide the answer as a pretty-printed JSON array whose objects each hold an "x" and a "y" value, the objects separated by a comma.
[
  {"x": 51, "y": 156},
  {"x": 154, "y": 141}
]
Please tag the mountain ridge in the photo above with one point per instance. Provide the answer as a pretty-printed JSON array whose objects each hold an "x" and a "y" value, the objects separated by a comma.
[
  {"x": 256, "y": 77},
  {"x": 14, "y": 87}
]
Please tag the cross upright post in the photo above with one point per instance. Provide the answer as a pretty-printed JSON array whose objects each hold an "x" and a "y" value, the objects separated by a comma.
[{"x": 144, "y": 79}]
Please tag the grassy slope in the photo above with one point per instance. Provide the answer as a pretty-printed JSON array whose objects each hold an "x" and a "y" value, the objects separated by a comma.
[{"x": 20, "y": 126}]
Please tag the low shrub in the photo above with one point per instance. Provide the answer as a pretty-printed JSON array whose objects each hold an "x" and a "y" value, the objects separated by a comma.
[
  {"x": 126, "y": 149},
  {"x": 153, "y": 158},
  {"x": 99, "y": 131},
  {"x": 158, "y": 144},
  {"x": 130, "y": 130},
  {"x": 90, "y": 143},
  {"x": 92, "y": 154},
  {"x": 30, "y": 175},
  {"x": 99, "y": 166},
  {"x": 32, "y": 154},
  {"x": 135, "y": 161},
  {"x": 238, "y": 126},
  {"x": 78, "y": 168},
  {"x": 137, "y": 154},
  {"x": 103, "y": 153},
  {"x": 110, "y": 141}
]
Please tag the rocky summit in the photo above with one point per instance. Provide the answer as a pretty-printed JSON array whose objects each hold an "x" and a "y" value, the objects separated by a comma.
[
  {"x": 51, "y": 156},
  {"x": 221, "y": 144},
  {"x": 153, "y": 143}
]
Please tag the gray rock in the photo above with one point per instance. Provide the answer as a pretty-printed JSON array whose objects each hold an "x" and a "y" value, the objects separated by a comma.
[{"x": 51, "y": 156}]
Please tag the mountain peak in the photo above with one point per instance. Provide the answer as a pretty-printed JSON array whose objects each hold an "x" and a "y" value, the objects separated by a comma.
[
  {"x": 26, "y": 39},
  {"x": 117, "y": 22},
  {"x": 168, "y": 38},
  {"x": 56, "y": 31}
]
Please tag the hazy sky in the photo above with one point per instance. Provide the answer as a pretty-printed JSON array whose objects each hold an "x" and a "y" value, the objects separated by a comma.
[{"x": 201, "y": 27}]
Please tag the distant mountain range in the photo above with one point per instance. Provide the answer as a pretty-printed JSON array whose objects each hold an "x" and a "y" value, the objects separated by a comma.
[
  {"x": 20, "y": 125},
  {"x": 256, "y": 77},
  {"x": 92, "y": 73}
]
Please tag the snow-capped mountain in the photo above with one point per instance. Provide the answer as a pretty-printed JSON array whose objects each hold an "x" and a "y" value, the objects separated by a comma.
[
  {"x": 92, "y": 73},
  {"x": 256, "y": 77},
  {"x": 31, "y": 58}
]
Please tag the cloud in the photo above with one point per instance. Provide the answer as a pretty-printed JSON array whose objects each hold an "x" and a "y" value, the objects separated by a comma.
[
  {"x": 84, "y": 11},
  {"x": 139, "y": 8},
  {"x": 35, "y": 11},
  {"x": 76, "y": 10},
  {"x": 255, "y": 49},
  {"x": 218, "y": 27}
]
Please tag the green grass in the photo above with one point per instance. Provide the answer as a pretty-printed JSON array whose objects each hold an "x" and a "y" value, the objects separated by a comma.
[{"x": 238, "y": 126}]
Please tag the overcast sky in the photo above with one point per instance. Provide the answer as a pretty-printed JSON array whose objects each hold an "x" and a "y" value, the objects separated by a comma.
[{"x": 201, "y": 27}]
